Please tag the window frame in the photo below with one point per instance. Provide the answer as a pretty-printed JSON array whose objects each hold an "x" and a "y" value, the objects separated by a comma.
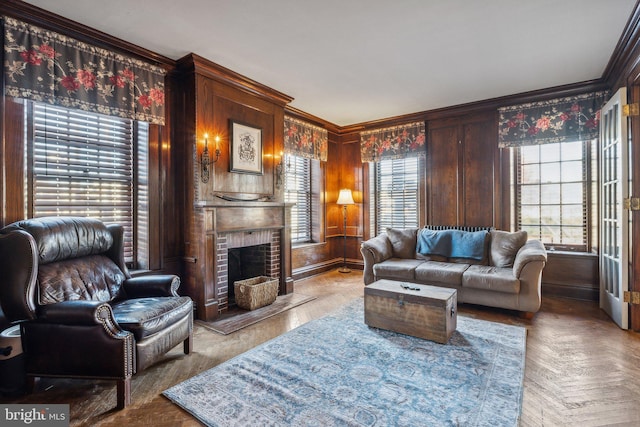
[
  {"x": 376, "y": 225},
  {"x": 136, "y": 244},
  {"x": 588, "y": 203},
  {"x": 299, "y": 173}
]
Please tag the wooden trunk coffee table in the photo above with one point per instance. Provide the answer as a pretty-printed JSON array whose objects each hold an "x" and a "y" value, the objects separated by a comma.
[{"x": 423, "y": 311}]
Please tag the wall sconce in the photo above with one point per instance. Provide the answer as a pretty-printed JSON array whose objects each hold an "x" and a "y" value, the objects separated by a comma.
[
  {"x": 280, "y": 172},
  {"x": 205, "y": 159}
]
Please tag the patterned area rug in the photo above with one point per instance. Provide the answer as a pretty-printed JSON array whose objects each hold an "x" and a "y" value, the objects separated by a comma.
[{"x": 336, "y": 371}]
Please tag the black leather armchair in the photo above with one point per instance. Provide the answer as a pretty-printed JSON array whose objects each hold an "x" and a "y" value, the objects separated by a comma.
[{"x": 82, "y": 314}]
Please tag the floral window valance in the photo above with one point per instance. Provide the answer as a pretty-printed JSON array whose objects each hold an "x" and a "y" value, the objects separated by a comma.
[
  {"x": 305, "y": 140},
  {"x": 574, "y": 118},
  {"x": 393, "y": 142},
  {"x": 49, "y": 67}
]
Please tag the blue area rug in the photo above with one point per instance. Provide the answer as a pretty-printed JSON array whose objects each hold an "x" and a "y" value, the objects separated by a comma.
[{"x": 336, "y": 371}]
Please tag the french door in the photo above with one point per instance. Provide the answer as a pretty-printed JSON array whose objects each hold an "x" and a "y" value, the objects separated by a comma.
[{"x": 614, "y": 220}]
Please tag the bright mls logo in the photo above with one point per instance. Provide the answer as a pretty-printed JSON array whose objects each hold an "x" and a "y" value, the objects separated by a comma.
[{"x": 34, "y": 415}]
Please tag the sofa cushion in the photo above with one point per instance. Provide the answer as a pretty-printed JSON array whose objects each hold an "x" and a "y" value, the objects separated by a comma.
[
  {"x": 440, "y": 272},
  {"x": 380, "y": 247},
  {"x": 491, "y": 278},
  {"x": 396, "y": 268},
  {"x": 505, "y": 246},
  {"x": 403, "y": 242},
  {"x": 146, "y": 316}
]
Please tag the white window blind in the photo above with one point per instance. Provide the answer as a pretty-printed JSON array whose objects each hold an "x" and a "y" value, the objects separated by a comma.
[
  {"x": 82, "y": 164},
  {"x": 394, "y": 194},
  {"x": 297, "y": 187}
]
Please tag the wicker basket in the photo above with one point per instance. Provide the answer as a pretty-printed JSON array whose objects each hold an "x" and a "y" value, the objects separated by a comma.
[{"x": 255, "y": 292}]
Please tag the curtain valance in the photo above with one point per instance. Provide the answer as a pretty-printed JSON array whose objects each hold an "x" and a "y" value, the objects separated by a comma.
[
  {"x": 573, "y": 118},
  {"x": 393, "y": 142},
  {"x": 305, "y": 140},
  {"x": 45, "y": 66}
]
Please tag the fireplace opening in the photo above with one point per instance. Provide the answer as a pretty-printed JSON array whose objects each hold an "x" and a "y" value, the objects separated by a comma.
[{"x": 244, "y": 263}]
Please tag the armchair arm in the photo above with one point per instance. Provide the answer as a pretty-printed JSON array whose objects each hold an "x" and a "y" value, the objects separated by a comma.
[
  {"x": 76, "y": 312},
  {"x": 158, "y": 285},
  {"x": 78, "y": 339}
]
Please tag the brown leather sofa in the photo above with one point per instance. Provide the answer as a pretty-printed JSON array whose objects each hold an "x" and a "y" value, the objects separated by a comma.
[{"x": 82, "y": 315}]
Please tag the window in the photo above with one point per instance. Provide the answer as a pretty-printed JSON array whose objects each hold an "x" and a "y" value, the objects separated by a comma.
[
  {"x": 86, "y": 164},
  {"x": 394, "y": 194},
  {"x": 553, "y": 193},
  {"x": 297, "y": 189}
]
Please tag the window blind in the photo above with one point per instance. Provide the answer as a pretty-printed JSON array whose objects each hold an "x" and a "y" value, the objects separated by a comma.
[
  {"x": 394, "y": 190},
  {"x": 297, "y": 188},
  {"x": 82, "y": 164}
]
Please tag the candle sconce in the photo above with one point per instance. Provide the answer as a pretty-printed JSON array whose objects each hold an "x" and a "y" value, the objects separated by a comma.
[{"x": 205, "y": 158}]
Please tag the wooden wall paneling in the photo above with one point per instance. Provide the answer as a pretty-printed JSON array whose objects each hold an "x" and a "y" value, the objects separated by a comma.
[
  {"x": 13, "y": 161},
  {"x": 478, "y": 172},
  {"x": 571, "y": 275},
  {"x": 443, "y": 148},
  {"x": 333, "y": 211}
]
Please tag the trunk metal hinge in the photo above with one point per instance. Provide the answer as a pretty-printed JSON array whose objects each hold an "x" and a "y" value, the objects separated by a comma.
[
  {"x": 631, "y": 203},
  {"x": 631, "y": 110}
]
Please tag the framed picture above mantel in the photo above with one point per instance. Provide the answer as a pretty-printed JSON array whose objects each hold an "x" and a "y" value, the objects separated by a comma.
[{"x": 246, "y": 148}]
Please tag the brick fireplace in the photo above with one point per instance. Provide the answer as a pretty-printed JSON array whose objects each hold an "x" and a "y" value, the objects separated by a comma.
[
  {"x": 242, "y": 255},
  {"x": 220, "y": 232}
]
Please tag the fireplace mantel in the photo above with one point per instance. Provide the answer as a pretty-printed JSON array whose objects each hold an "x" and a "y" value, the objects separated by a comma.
[{"x": 226, "y": 224}]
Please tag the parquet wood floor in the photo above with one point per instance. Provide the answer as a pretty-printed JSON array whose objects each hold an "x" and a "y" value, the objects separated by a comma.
[{"x": 581, "y": 369}]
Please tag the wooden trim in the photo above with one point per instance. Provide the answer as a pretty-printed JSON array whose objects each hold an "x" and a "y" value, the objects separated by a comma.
[
  {"x": 457, "y": 111},
  {"x": 202, "y": 66},
  {"x": 625, "y": 55}
]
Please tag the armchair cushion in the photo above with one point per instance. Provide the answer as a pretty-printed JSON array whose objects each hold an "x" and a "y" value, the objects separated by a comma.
[
  {"x": 146, "y": 316},
  {"x": 94, "y": 277},
  {"x": 60, "y": 238}
]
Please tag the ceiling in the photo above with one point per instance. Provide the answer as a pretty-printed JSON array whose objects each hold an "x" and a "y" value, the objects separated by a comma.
[{"x": 353, "y": 61}]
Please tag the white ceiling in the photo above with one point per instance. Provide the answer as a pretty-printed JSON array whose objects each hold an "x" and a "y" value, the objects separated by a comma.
[{"x": 352, "y": 61}]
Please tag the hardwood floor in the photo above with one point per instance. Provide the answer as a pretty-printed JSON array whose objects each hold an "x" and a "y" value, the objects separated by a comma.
[{"x": 581, "y": 369}]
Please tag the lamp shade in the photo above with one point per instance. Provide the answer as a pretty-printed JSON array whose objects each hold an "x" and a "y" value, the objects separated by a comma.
[{"x": 345, "y": 197}]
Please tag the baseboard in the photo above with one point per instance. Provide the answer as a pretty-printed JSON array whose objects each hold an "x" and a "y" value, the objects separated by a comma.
[{"x": 585, "y": 293}]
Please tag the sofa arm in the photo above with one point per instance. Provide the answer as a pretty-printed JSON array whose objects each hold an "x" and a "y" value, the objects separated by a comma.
[
  {"x": 527, "y": 267},
  {"x": 531, "y": 251},
  {"x": 158, "y": 285},
  {"x": 375, "y": 250}
]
